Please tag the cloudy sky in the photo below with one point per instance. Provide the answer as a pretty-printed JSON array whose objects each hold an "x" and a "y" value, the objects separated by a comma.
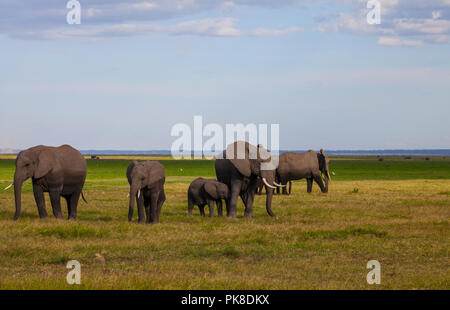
[{"x": 133, "y": 69}]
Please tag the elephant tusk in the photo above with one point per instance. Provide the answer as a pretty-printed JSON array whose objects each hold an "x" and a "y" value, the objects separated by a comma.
[
  {"x": 279, "y": 185},
  {"x": 267, "y": 184},
  {"x": 128, "y": 195},
  {"x": 329, "y": 177},
  {"x": 139, "y": 194},
  {"x": 9, "y": 186}
]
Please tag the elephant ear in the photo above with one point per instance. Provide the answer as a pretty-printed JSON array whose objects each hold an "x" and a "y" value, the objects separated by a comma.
[
  {"x": 238, "y": 154},
  {"x": 243, "y": 166},
  {"x": 156, "y": 172},
  {"x": 211, "y": 189},
  {"x": 130, "y": 170},
  {"x": 45, "y": 164}
]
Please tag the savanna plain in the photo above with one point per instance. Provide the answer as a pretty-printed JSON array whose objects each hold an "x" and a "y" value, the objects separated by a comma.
[{"x": 395, "y": 211}]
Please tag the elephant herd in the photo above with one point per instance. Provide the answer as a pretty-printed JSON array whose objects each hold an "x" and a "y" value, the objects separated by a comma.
[{"x": 240, "y": 170}]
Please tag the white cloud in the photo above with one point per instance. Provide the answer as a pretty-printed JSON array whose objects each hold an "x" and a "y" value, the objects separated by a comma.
[
  {"x": 403, "y": 23},
  {"x": 410, "y": 20},
  {"x": 208, "y": 27},
  {"x": 393, "y": 41},
  {"x": 273, "y": 32},
  {"x": 216, "y": 27},
  {"x": 144, "y": 5}
]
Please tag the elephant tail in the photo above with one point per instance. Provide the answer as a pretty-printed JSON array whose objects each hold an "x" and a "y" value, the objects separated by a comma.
[{"x": 82, "y": 196}]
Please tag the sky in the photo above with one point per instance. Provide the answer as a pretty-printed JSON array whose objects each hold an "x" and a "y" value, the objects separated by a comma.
[{"x": 133, "y": 69}]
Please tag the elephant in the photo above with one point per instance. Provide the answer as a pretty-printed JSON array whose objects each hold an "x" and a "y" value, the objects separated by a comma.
[
  {"x": 146, "y": 181},
  {"x": 59, "y": 171},
  {"x": 310, "y": 165},
  {"x": 240, "y": 174},
  {"x": 203, "y": 192}
]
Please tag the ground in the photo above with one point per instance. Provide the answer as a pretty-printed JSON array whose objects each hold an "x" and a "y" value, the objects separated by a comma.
[{"x": 396, "y": 211}]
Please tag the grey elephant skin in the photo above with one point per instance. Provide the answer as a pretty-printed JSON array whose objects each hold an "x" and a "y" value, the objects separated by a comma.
[
  {"x": 146, "y": 181},
  {"x": 240, "y": 174},
  {"x": 209, "y": 192},
  {"x": 309, "y": 165},
  {"x": 59, "y": 171}
]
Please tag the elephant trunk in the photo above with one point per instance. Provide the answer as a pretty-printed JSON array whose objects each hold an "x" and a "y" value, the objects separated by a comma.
[
  {"x": 268, "y": 177},
  {"x": 18, "y": 195},
  {"x": 133, "y": 196},
  {"x": 327, "y": 180},
  {"x": 269, "y": 195}
]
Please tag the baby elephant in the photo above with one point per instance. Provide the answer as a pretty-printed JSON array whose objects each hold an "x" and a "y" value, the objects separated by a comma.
[
  {"x": 146, "y": 181},
  {"x": 207, "y": 192}
]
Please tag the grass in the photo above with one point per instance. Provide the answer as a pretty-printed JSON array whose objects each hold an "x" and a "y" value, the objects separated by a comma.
[{"x": 395, "y": 211}]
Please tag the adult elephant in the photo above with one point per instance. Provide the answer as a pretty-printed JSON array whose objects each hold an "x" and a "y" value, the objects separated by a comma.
[
  {"x": 239, "y": 167},
  {"x": 59, "y": 171},
  {"x": 146, "y": 181},
  {"x": 310, "y": 165}
]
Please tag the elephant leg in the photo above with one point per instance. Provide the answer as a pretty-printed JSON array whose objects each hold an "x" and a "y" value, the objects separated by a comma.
[
  {"x": 67, "y": 198},
  {"x": 260, "y": 189},
  {"x": 309, "y": 182},
  {"x": 319, "y": 182},
  {"x": 55, "y": 199},
  {"x": 161, "y": 200},
  {"x": 72, "y": 205},
  {"x": 154, "y": 207},
  {"x": 249, "y": 205},
  {"x": 140, "y": 206},
  {"x": 201, "y": 208},
  {"x": 285, "y": 192},
  {"x": 235, "y": 191},
  {"x": 211, "y": 204},
  {"x": 244, "y": 198},
  {"x": 147, "y": 209},
  {"x": 40, "y": 200},
  {"x": 227, "y": 206},
  {"x": 219, "y": 208},
  {"x": 190, "y": 204}
]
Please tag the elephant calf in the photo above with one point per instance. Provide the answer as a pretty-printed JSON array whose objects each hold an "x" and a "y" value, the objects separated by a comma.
[
  {"x": 146, "y": 181},
  {"x": 203, "y": 192}
]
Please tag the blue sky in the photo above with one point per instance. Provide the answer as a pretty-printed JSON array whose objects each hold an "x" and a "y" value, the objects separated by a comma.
[{"x": 133, "y": 69}]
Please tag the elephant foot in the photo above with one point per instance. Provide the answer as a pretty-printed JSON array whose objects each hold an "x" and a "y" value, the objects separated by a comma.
[
  {"x": 72, "y": 219},
  {"x": 248, "y": 215}
]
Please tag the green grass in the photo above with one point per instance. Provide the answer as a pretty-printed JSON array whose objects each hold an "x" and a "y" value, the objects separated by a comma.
[
  {"x": 396, "y": 211},
  {"x": 393, "y": 168}
]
